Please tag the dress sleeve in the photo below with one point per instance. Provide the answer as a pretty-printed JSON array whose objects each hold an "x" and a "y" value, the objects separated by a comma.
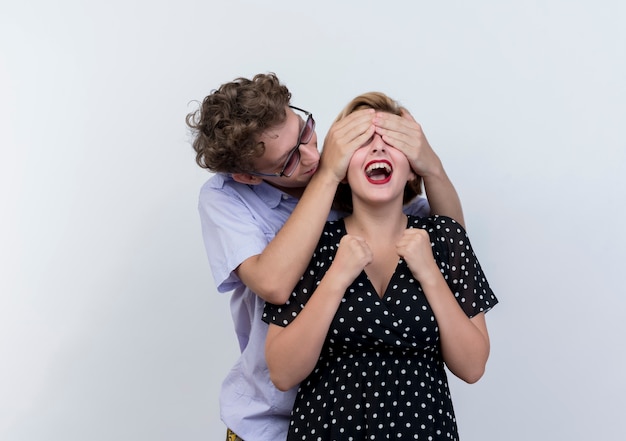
[
  {"x": 282, "y": 315},
  {"x": 462, "y": 271},
  {"x": 325, "y": 251}
]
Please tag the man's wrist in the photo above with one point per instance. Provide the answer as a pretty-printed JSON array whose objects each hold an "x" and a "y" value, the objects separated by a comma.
[
  {"x": 434, "y": 173},
  {"x": 326, "y": 174}
]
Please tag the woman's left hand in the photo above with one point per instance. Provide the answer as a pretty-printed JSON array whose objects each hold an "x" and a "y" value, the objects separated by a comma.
[{"x": 414, "y": 247}]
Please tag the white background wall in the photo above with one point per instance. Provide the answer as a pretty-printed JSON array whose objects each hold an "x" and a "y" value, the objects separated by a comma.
[{"x": 110, "y": 327}]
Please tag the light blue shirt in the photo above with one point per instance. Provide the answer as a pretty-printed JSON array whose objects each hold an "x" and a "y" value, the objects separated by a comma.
[{"x": 238, "y": 221}]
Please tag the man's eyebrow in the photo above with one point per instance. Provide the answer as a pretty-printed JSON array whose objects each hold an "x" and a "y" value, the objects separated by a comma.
[{"x": 281, "y": 160}]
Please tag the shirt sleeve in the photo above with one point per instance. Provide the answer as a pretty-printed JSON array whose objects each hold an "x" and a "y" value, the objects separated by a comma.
[
  {"x": 462, "y": 270},
  {"x": 418, "y": 207},
  {"x": 230, "y": 232}
]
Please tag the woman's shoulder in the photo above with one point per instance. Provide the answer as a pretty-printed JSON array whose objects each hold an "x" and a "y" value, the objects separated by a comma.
[
  {"x": 435, "y": 221},
  {"x": 443, "y": 227},
  {"x": 334, "y": 228}
]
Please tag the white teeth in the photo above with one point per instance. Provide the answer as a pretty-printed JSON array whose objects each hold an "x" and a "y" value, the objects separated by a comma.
[{"x": 378, "y": 165}]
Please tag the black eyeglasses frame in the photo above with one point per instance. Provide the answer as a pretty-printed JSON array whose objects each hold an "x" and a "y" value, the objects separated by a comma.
[{"x": 295, "y": 150}]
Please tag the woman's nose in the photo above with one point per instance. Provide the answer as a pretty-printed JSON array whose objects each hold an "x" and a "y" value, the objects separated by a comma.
[{"x": 377, "y": 144}]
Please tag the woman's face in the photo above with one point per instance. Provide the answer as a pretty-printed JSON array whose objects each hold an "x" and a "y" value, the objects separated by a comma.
[{"x": 378, "y": 172}]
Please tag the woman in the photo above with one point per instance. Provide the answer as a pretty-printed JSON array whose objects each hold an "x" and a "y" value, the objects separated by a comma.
[{"x": 387, "y": 299}]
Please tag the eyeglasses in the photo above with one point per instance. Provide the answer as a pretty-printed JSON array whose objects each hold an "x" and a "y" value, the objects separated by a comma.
[{"x": 293, "y": 158}]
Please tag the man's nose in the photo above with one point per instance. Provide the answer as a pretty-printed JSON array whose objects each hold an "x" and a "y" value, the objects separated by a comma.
[{"x": 309, "y": 151}]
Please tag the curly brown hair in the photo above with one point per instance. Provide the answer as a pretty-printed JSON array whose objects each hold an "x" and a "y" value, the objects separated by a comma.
[
  {"x": 230, "y": 120},
  {"x": 377, "y": 101}
]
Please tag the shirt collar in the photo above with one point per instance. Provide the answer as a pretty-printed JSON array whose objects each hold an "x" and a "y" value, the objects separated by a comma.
[{"x": 269, "y": 194}]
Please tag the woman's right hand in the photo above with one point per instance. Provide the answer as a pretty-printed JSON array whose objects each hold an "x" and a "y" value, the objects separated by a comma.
[{"x": 353, "y": 255}]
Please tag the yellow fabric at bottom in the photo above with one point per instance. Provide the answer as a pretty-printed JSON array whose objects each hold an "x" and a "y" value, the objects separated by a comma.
[{"x": 232, "y": 436}]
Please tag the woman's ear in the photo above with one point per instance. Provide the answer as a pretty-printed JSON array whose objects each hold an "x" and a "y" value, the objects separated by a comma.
[
  {"x": 412, "y": 176},
  {"x": 246, "y": 178}
]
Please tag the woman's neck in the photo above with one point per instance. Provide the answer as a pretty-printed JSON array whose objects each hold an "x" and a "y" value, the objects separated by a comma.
[
  {"x": 382, "y": 226},
  {"x": 377, "y": 223}
]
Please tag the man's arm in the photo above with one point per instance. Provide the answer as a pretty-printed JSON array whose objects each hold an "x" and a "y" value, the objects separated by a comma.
[
  {"x": 442, "y": 195},
  {"x": 273, "y": 273}
]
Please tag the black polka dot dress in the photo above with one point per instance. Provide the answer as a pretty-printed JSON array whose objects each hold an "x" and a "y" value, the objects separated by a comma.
[{"x": 380, "y": 374}]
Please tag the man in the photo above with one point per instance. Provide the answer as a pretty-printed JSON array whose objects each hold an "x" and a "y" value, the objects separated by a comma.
[{"x": 263, "y": 211}]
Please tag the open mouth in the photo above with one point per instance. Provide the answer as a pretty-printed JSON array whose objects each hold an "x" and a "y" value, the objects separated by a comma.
[{"x": 378, "y": 172}]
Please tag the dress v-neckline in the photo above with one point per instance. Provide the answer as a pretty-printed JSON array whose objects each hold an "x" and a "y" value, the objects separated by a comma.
[
  {"x": 379, "y": 295},
  {"x": 374, "y": 290}
]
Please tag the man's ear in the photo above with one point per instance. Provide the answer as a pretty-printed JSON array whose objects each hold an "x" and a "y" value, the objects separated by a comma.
[{"x": 247, "y": 178}]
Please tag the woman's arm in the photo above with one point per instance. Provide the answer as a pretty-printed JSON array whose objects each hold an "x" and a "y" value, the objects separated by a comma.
[
  {"x": 464, "y": 341},
  {"x": 292, "y": 351}
]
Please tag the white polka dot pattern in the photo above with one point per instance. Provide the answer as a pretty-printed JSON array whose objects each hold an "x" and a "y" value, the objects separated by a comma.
[{"x": 380, "y": 374}]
